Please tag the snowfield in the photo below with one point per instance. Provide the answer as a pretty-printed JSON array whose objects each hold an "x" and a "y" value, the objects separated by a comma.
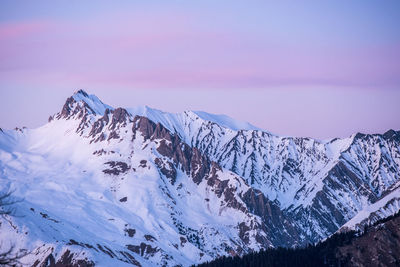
[{"x": 143, "y": 187}]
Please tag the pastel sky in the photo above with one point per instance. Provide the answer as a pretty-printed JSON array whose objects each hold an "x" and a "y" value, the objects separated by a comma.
[{"x": 303, "y": 68}]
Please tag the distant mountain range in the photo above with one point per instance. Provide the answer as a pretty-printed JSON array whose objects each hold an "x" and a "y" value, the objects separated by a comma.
[{"x": 138, "y": 186}]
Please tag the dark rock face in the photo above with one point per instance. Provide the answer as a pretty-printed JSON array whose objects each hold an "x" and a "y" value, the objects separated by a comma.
[
  {"x": 243, "y": 232},
  {"x": 72, "y": 108},
  {"x": 117, "y": 167},
  {"x": 119, "y": 119},
  {"x": 112, "y": 120},
  {"x": 131, "y": 232},
  {"x": 150, "y": 238},
  {"x": 279, "y": 226},
  {"x": 66, "y": 110},
  {"x": 130, "y": 259},
  {"x": 67, "y": 259},
  {"x": 143, "y": 250},
  {"x": 189, "y": 160},
  {"x": 82, "y": 92},
  {"x": 183, "y": 241},
  {"x": 99, "y": 125},
  {"x": 199, "y": 167},
  {"x": 166, "y": 168}
]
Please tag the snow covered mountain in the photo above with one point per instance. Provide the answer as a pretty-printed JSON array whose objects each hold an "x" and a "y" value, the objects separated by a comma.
[{"x": 102, "y": 185}]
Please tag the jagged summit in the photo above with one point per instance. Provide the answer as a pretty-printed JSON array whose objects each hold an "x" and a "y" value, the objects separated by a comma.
[
  {"x": 175, "y": 122},
  {"x": 81, "y": 104},
  {"x": 92, "y": 101},
  {"x": 147, "y": 187},
  {"x": 82, "y": 92},
  {"x": 392, "y": 134}
]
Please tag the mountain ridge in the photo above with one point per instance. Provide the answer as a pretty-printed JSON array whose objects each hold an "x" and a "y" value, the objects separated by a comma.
[{"x": 285, "y": 191}]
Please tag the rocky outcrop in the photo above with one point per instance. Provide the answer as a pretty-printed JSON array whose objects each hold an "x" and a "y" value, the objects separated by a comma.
[
  {"x": 116, "y": 167},
  {"x": 320, "y": 184},
  {"x": 167, "y": 169},
  {"x": 144, "y": 250},
  {"x": 189, "y": 159},
  {"x": 279, "y": 227},
  {"x": 98, "y": 125},
  {"x": 198, "y": 166},
  {"x": 72, "y": 108},
  {"x": 289, "y": 191},
  {"x": 66, "y": 259}
]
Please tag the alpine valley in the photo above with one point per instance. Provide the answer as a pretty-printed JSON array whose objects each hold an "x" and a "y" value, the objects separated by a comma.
[{"x": 108, "y": 186}]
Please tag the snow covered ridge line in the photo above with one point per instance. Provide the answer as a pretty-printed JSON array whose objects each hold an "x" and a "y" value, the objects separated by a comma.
[
  {"x": 385, "y": 207},
  {"x": 171, "y": 121},
  {"x": 178, "y": 189},
  {"x": 108, "y": 127},
  {"x": 130, "y": 186},
  {"x": 297, "y": 173}
]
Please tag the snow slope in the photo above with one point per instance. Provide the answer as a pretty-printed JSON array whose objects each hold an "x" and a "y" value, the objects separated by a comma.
[
  {"x": 112, "y": 200},
  {"x": 385, "y": 207},
  {"x": 144, "y": 187}
]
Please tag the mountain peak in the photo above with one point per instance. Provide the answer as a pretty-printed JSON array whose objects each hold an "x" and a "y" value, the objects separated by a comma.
[
  {"x": 81, "y": 103},
  {"x": 392, "y": 134},
  {"x": 81, "y": 92},
  {"x": 93, "y": 102}
]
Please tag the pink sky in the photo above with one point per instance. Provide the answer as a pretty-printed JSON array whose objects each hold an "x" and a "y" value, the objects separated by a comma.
[{"x": 296, "y": 54}]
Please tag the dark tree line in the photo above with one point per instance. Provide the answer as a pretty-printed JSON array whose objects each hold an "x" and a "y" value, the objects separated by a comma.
[{"x": 320, "y": 254}]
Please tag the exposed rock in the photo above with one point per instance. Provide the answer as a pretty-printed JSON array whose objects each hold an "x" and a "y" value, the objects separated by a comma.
[
  {"x": 66, "y": 110},
  {"x": 72, "y": 108},
  {"x": 98, "y": 125},
  {"x": 82, "y": 92},
  {"x": 117, "y": 167},
  {"x": 143, "y": 250},
  {"x": 150, "y": 238},
  {"x": 190, "y": 160},
  {"x": 66, "y": 259},
  {"x": 183, "y": 241},
  {"x": 392, "y": 135},
  {"x": 131, "y": 232},
  {"x": 244, "y": 232},
  {"x": 99, "y": 152},
  {"x": 120, "y": 118},
  {"x": 279, "y": 226},
  {"x": 166, "y": 168},
  {"x": 106, "y": 251},
  {"x": 130, "y": 258},
  {"x": 143, "y": 163},
  {"x": 45, "y": 216}
]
